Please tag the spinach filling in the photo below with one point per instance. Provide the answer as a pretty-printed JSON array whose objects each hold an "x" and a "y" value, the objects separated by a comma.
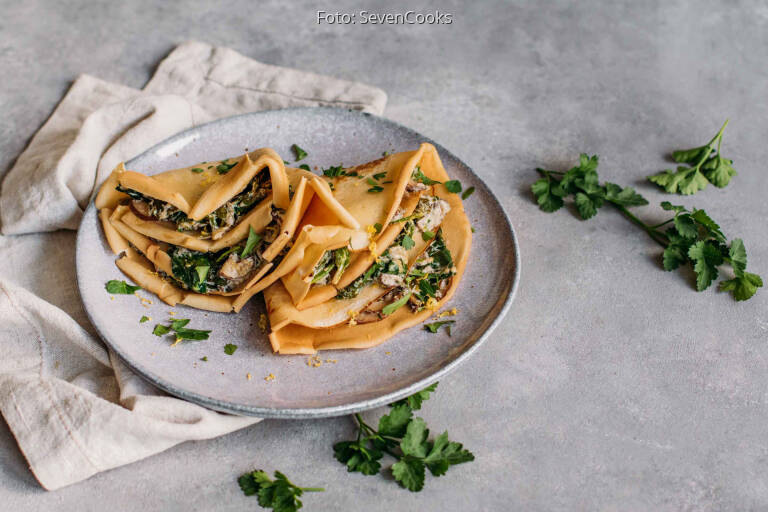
[
  {"x": 425, "y": 284},
  {"x": 205, "y": 272},
  {"x": 331, "y": 266},
  {"x": 224, "y": 217},
  {"x": 385, "y": 264}
]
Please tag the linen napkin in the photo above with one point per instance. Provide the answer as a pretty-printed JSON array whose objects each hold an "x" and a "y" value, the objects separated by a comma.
[{"x": 73, "y": 407}]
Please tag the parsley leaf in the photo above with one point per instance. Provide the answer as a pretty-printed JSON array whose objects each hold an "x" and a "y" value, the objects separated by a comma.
[
  {"x": 280, "y": 494},
  {"x": 253, "y": 239},
  {"x": 415, "y": 400},
  {"x": 408, "y": 242},
  {"x": 409, "y": 473},
  {"x": 453, "y": 186},
  {"x": 394, "y": 423},
  {"x": 229, "y": 349},
  {"x": 179, "y": 323},
  {"x": 435, "y": 326},
  {"x": 742, "y": 287},
  {"x": 143, "y": 319},
  {"x": 305, "y": 167},
  {"x": 333, "y": 172},
  {"x": 300, "y": 153},
  {"x": 197, "y": 170},
  {"x": 178, "y": 326},
  {"x": 391, "y": 308},
  {"x": 225, "y": 166},
  {"x": 358, "y": 456},
  {"x": 705, "y": 165},
  {"x": 121, "y": 287},
  {"x": 160, "y": 330},
  {"x": 444, "y": 454}
]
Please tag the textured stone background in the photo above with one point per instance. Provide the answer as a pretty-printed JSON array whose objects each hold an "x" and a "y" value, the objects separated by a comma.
[{"x": 611, "y": 385}]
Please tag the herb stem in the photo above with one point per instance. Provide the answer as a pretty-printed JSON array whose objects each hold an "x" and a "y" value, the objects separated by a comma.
[
  {"x": 648, "y": 229},
  {"x": 663, "y": 223},
  {"x": 312, "y": 489}
]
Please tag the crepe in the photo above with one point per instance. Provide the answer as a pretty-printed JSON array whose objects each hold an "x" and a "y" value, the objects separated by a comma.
[
  {"x": 423, "y": 235},
  {"x": 203, "y": 234}
]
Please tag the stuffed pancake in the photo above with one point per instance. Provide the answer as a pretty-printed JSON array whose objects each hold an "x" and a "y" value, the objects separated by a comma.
[
  {"x": 203, "y": 234},
  {"x": 418, "y": 244}
]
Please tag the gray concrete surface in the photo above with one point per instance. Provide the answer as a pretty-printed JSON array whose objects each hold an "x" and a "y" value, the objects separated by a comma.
[{"x": 612, "y": 385}]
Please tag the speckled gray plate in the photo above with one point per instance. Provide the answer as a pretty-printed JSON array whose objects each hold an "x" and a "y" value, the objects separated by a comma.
[{"x": 347, "y": 381}]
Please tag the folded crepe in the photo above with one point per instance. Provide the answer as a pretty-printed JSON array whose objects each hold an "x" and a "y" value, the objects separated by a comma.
[
  {"x": 203, "y": 234},
  {"x": 418, "y": 244}
]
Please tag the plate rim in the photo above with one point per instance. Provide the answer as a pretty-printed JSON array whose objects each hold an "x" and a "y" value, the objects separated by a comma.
[{"x": 324, "y": 411}]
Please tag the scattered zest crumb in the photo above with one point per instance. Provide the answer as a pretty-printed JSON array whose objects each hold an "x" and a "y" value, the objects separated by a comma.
[
  {"x": 314, "y": 361},
  {"x": 171, "y": 313},
  {"x": 269, "y": 377},
  {"x": 248, "y": 376},
  {"x": 450, "y": 312},
  {"x": 388, "y": 353},
  {"x": 176, "y": 342},
  {"x": 352, "y": 316},
  {"x": 111, "y": 297}
]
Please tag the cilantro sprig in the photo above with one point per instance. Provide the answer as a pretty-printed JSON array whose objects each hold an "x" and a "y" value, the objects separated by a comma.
[
  {"x": 705, "y": 165},
  {"x": 693, "y": 238},
  {"x": 405, "y": 438},
  {"x": 280, "y": 494}
]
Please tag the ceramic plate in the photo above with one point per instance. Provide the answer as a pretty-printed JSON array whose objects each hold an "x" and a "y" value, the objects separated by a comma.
[{"x": 346, "y": 381}]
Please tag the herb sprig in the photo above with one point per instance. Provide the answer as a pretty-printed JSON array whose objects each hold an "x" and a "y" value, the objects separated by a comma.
[
  {"x": 405, "y": 438},
  {"x": 280, "y": 494},
  {"x": 705, "y": 165},
  {"x": 693, "y": 237}
]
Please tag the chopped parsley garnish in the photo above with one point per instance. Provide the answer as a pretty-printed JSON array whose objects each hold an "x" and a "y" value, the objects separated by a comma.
[
  {"x": 375, "y": 187},
  {"x": 377, "y": 227},
  {"x": 204, "y": 358},
  {"x": 143, "y": 319},
  {"x": 427, "y": 235},
  {"x": 422, "y": 178},
  {"x": 379, "y": 175},
  {"x": 121, "y": 287},
  {"x": 333, "y": 171},
  {"x": 452, "y": 186},
  {"x": 467, "y": 193},
  {"x": 225, "y": 166},
  {"x": 161, "y": 330},
  {"x": 391, "y": 308},
  {"x": 435, "y": 326},
  {"x": 280, "y": 494},
  {"x": 305, "y": 167},
  {"x": 405, "y": 438},
  {"x": 300, "y": 153},
  {"x": 408, "y": 242},
  {"x": 229, "y": 349},
  {"x": 178, "y": 326},
  {"x": 197, "y": 170}
]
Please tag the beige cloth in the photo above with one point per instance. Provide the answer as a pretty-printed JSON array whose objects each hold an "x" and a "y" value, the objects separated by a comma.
[{"x": 74, "y": 408}]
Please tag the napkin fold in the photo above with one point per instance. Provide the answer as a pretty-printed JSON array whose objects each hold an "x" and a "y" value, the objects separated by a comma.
[{"x": 73, "y": 407}]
